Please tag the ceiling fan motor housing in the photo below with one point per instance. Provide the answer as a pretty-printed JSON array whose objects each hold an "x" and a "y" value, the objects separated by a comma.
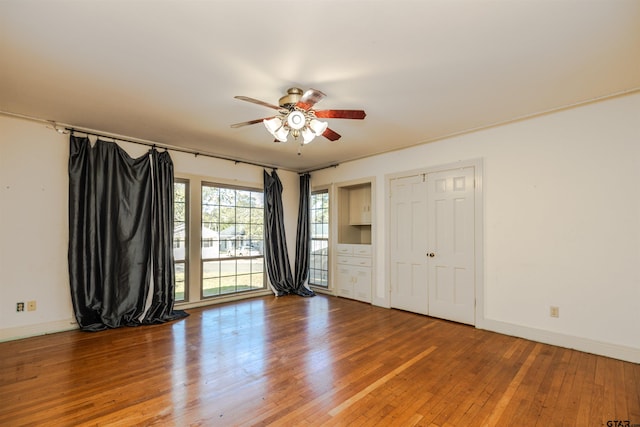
[{"x": 291, "y": 98}]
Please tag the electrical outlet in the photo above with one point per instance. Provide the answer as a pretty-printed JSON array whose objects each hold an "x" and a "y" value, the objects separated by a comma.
[
  {"x": 19, "y": 306},
  {"x": 31, "y": 306},
  {"x": 554, "y": 311}
]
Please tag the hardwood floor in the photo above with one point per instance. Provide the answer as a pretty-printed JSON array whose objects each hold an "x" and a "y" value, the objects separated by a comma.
[{"x": 319, "y": 361}]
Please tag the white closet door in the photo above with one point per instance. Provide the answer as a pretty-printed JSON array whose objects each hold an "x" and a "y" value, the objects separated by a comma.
[
  {"x": 408, "y": 244},
  {"x": 451, "y": 245}
]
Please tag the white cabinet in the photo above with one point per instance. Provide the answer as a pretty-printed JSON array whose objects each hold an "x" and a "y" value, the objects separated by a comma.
[
  {"x": 353, "y": 261},
  {"x": 354, "y": 216},
  {"x": 360, "y": 205},
  {"x": 354, "y": 271}
]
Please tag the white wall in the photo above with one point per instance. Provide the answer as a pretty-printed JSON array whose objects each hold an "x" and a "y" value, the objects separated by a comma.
[
  {"x": 33, "y": 228},
  {"x": 561, "y": 222},
  {"x": 34, "y": 220}
]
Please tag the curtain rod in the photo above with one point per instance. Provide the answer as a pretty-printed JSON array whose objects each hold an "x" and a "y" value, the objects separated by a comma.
[
  {"x": 195, "y": 153},
  {"x": 335, "y": 165},
  {"x": 166, "y": 147},
  {"x": 55, "y": 126}
]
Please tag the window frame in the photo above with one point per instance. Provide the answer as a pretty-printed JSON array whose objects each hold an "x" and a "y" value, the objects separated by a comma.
[
  {"x": 185, "y": 262},
  {"x": 232, "y": 256},
  {"x": 326, "y": 239}
]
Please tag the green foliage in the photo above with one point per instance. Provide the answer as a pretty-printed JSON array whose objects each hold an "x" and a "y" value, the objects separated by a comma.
[
  {"x": 319, "y": 214},
  {"x": 179, "y": 201},
  {"x": 223, "y": 208}
]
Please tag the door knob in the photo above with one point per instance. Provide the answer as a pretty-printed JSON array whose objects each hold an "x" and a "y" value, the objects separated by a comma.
[{"x": 431, "y": 254}]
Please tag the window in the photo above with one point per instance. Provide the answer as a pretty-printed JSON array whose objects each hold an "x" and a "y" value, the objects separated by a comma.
[
  {"x": 232, "y": 240},
  {"x": 319, "y": 221},
  {"x": 180, "y": 237}
]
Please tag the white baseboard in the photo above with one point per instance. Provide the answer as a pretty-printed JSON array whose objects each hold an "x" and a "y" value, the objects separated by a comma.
[
  {"x": 9, "y": 334},
  {"x": 615, "y": 351}
]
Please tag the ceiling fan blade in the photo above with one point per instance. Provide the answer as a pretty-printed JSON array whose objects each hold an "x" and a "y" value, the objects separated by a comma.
[
  {"x": 257, "y": 101},
  {"x": 250, "y": 122},
  {"x": 341, "y": 114},
  {"x": 309, "y": 99},
  {"x": 331, "y": 135}
]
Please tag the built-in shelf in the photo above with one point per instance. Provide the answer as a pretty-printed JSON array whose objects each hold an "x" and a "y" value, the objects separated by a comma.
[
  {"x": 354, "y": 213},
  {"x": 354, "y": 261}
]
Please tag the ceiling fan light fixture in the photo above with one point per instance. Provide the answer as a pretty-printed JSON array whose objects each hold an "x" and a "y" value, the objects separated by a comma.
[
  {"x": 307, "y": 135},
  {"x": 273, "y": 124},
  {"x": 275, "y": 127},
  {"x": 317, "y": 126},
  {"x": 296, "y": 116},
  {"x": 296, "y": 120},
  {"x": 281, "y": 134}
]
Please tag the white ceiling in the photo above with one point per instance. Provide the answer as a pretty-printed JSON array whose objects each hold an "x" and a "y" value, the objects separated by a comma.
[{"x": 167, "y": 71}]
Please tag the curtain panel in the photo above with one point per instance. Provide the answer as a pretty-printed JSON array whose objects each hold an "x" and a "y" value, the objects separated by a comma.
[
  {"x": 120, "y": 236},
  {"x": 276, "y": 254},
  {"x": 303, "y": 238}
]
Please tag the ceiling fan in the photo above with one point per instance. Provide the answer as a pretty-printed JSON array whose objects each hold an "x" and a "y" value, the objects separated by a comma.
[{"x": 297, "y": 117}]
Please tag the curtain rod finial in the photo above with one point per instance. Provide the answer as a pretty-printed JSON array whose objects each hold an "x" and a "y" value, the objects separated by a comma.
[{"x": 57, "y": 128}]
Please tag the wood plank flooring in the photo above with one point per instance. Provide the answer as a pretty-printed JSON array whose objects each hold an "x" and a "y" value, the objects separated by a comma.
[{"x": 293, "y": 361}]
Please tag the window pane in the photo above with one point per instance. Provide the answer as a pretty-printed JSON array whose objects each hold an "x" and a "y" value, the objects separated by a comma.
[
  {"x": 180, "y": 237},
  {"x": 243, "y": 215},
  {"x": 257, "y": 199},
  {"x": 179, "y": 201},
  {"x": 179, "y": 240},
  {"x": 179, "y": 291},
  {"x": 243, "y": 198},
  {"x": 319, "y": 260},
  {"x": 210, "y": 196},
  {"x": 228, "y": 276},
  {"x": 227, "y": 197},
  {"x": 232, "y": 240},
  {"x": 319, "y": 263},
  {"x": 210, "y": 278}
]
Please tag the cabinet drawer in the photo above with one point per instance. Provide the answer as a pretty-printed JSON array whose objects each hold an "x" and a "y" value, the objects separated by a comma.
[
  {"x": 362, "y": 250},
  {"x": 349, "y": 249},
  {"x": 344, "y": 250},
  {"x": 354, "y": 260}
]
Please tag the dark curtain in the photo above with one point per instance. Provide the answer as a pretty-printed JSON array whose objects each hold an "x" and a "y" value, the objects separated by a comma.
[
  {"x": 161, "y": 296},
  {"x": 303, "y": 238},
  {"x": 120, "y": 251},
  {"x": 275, "y": 255}
]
